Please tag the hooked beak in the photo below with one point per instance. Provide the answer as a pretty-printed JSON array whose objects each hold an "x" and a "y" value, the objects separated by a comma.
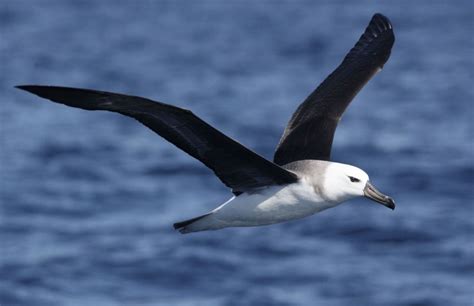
[{"x": 372, "y": 193}]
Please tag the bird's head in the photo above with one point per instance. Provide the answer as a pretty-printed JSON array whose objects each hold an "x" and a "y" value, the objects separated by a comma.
[{"x": 343, "y": 182}]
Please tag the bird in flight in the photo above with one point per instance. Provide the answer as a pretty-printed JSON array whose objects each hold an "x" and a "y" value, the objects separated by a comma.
[{"x": 301, "y": 180}]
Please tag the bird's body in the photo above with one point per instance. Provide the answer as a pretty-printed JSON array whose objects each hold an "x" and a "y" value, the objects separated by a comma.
[
  {"x": 313, "y": 192},
  {"x": 301, "y": 180},
  {"x": 269, "y": 205},
  {"x": 273, "y": 204}
]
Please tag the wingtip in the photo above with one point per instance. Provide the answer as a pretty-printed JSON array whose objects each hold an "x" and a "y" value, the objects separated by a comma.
[
  {"x": 379, "y": 15},
  {"x": 22, "y": 87},
  {"x": 376, "y": 41},
  {"x": 379, "y": 24},
  {"x": 30, "y": 88},
  {"x": 53, "y": 93},
  {"x": 379, "y": 29}
]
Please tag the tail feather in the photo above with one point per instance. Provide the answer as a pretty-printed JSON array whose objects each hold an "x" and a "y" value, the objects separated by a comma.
[{"x": 181, "y": 225}]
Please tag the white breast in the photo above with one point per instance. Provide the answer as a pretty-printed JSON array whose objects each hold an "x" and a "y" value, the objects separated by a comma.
[{"x": 272, "y": 205}]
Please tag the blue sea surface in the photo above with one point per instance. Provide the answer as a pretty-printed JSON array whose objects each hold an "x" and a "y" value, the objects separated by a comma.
[{"x": 88, "y": 199}]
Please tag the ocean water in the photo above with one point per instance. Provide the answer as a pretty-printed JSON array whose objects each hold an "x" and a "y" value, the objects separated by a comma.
[{"x": 88, "y": 198}]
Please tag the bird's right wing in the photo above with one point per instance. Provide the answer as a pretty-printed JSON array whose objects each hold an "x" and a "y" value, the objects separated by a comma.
[
  {"x": 237, "y": 167},
  {"x": 310, "y": 132}
]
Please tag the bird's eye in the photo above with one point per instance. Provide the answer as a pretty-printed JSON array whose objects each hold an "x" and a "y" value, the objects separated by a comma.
[{"x": 354, "y": 179}]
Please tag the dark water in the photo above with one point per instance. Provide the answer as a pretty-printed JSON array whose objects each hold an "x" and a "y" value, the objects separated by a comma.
[{"x": 88, "y": 199}]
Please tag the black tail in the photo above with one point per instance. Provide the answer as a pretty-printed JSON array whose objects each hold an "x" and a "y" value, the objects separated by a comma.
[{"x": 179, "y": 225}]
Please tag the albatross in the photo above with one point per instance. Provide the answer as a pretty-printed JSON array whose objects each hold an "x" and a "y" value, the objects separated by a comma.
[{"x": 301, "y": 181}]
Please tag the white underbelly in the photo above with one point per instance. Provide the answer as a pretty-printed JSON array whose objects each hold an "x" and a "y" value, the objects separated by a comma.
[{"x": 272, "y": 205}]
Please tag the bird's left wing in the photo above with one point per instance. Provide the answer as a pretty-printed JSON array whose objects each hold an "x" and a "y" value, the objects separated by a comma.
[
  {"x": 236, "y": 166},
  {"x": 310, "y": 132}
]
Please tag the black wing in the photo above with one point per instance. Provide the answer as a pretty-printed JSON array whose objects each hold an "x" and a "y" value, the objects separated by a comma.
[
  {"x": 310, "y": 132},
  {"x": 238, "y": 167}
]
